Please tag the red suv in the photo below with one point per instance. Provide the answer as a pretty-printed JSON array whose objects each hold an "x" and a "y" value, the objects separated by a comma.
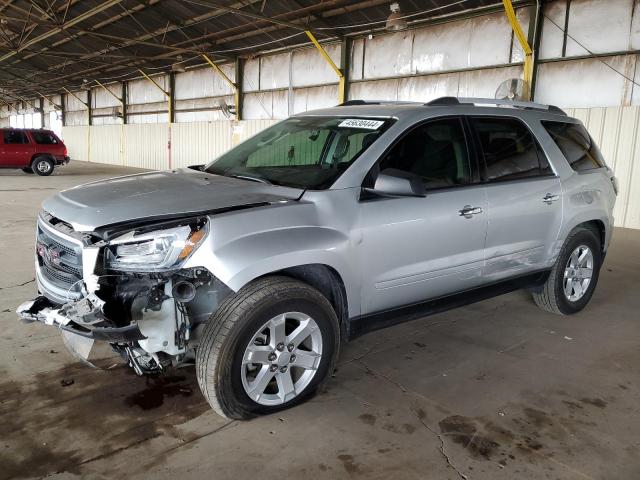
[{"x": 32, "y": 150}]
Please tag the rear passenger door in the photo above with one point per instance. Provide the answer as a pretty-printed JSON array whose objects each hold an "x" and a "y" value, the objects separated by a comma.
[{"x": 523, "y": 194}]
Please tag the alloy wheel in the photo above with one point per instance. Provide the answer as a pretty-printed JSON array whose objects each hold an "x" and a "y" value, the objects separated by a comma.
[
  {"x": 281, "y": 359},
  {"x": 578, "y": 273}
]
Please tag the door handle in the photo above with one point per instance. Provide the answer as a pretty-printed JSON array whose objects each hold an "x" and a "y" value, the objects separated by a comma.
[
  {"x": 549, "y": 199},
  {"x": 468, "y": 211}
]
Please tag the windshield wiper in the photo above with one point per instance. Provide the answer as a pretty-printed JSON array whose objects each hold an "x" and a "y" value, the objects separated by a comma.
[{"x": 248, "y": 177}]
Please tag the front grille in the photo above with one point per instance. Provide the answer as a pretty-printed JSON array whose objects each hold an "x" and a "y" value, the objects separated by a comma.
[{"x": 59, "y": 258}]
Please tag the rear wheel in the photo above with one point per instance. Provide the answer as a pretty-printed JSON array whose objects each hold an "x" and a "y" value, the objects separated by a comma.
[
  {"x": 43, "y": 166},
  {"x": 267, "y": 348},
  {"x": 574, "y": 276}
]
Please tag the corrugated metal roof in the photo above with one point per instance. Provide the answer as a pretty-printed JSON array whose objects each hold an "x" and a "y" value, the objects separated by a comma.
[{"x": 45, "y": 46}]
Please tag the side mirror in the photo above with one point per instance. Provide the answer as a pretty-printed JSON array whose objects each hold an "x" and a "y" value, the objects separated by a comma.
[
  {"x": 397, "y": 183},
  {"x": 197, "y": 167}
]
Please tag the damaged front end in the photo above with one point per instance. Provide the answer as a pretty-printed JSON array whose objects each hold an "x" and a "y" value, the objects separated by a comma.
[{"x": 128, "y": 287}]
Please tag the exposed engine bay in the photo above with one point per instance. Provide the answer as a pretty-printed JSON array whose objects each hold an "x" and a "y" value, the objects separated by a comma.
[{"x": 128, "y": 289}]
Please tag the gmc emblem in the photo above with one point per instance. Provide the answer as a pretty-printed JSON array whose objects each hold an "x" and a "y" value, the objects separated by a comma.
[{"x": 50, "y": 254}]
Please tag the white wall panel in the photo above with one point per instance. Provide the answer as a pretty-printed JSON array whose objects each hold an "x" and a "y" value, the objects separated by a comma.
[
  {"x": 251, "y": 75},
  {"x": 601, "y": 26},
  {"x": 101, "y": 98},
  {"x": 357, "y": 59},
  {"x": 145, "y": 146},
  {"x": 77, "y": 118},
  {"x": 198, "y": 143},
  {"x": 517, "y": 54},
  {"x": 388, "y": 55},
  {"x": 274, "y": 71},
  {"x": 143, "y": 91},
  {"x": 106, "y": 144},
  {"x": 77, "y": 141},
  {"x": 585, "y": 83},
  {"x": 483, "y": 83},
  {"x": 552, "y": 36},
  {"x": 308, "y": 66},
  {"x": 204, "y": 82},
  {"x": 72, "y": 104},
  {"x": 424, "y": 89},
  {"x": 375, "y": 90},
  {"x": 305, "y": 99}
]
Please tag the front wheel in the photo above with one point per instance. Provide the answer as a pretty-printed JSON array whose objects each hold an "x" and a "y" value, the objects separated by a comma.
[
  {"x": 267, "y": 348},
  {"x": 574, "y": 276}
]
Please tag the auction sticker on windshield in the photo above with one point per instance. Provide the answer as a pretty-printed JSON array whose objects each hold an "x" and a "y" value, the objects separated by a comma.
[{"x": 361, "y": 123}]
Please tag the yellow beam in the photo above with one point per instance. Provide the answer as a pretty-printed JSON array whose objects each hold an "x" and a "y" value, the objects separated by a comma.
[
  {"x": 77, "y": 97},
  {"x": 323, "y": 52},
  {"x": 49, "y": 100},
  {"x": 236, "y": 90},
  {"x": 110, "y": 92},
  {"x": 161, "y": 89},
  {"x": 524, "y": 44}
]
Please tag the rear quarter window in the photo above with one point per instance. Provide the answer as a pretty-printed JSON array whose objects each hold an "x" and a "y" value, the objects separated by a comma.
[
  {"x": 44, "y": 138},
  {"x": 576, "y": 145}
]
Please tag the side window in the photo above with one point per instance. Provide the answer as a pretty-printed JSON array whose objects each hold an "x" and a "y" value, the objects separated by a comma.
[
  {"x": 14, "y": 137},
  {"x": 509, "y": 149},
  {"x": 577, "y": 146},
  {"x": 436, "y": 152},
  {"x": 44, "y": 138}
]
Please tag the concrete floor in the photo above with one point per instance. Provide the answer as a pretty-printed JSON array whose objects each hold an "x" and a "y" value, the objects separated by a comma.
[{"x": 496, "y": 390}]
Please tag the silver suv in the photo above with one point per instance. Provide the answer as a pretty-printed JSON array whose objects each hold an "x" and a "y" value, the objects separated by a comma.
[{"x": 326, "y": 226}]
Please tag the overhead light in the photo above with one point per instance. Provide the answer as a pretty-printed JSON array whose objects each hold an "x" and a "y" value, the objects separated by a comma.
[
  {"x": 395, "y": 22},
  {"x": 178, "y": 67}
]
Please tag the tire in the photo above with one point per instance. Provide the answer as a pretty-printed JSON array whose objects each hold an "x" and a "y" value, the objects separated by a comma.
[
  {"x": 28, "y": 170},
  {"x": 235, "y": 328},
  {"x": 43, "y": 166},
  {"x": 552, "y": 296}
]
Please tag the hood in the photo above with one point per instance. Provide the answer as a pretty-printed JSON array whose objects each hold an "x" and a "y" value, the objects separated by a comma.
[{"x": 159, "y": 194}]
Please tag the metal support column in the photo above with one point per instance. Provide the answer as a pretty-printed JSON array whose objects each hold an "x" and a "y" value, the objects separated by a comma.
[
  {"x": 524, "y": 44},
  {"x": 345, "y": 64},
  {"x": 536, "y": 23},
  {"x": 89, "y": 108},
  {"x": 342, "y": 84},
  {"x": 125, "y": 100},
  {"x": 239, "y": 95},
  {"x": 172, "y": 97}
]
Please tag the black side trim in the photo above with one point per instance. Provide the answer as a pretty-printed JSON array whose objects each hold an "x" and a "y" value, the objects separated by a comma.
[
  {"x": 126, "y": 334},
  {"x": 360, "y": 325}
]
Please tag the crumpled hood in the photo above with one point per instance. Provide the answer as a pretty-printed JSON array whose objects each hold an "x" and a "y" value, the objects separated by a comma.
[{"x": 158, "y": 194}]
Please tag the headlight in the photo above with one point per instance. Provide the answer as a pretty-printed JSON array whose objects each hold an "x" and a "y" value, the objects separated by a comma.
[{"x": 158, "y": 250}]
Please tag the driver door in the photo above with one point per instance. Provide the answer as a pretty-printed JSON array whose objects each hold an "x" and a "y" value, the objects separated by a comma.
[{"x": 420, "y": 248}]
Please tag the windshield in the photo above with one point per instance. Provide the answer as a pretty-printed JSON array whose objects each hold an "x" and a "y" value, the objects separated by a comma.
[{"x": 301, "y": 152}]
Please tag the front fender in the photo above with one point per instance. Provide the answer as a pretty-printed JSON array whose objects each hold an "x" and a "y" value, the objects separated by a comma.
[{"x": 258, "y": 242}]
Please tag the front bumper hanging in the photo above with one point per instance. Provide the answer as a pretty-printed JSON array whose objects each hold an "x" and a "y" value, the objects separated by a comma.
[{"x": 79, "y": 318}]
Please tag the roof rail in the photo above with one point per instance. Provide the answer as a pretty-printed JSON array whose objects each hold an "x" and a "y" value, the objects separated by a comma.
[
  {"x": 376, "y": 102},
  {"x": 494, "y": 101}
]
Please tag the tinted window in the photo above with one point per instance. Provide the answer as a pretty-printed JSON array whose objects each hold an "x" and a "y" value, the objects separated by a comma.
[
  {"x": 435, "y": 151},
  {"x": 14, "y": 136},
  {"x": 44, "y": 138},
  {"x": 304, "y": 152},
  {"x": 509, "y": 149},
  {"x": 575, "y": 143}
]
